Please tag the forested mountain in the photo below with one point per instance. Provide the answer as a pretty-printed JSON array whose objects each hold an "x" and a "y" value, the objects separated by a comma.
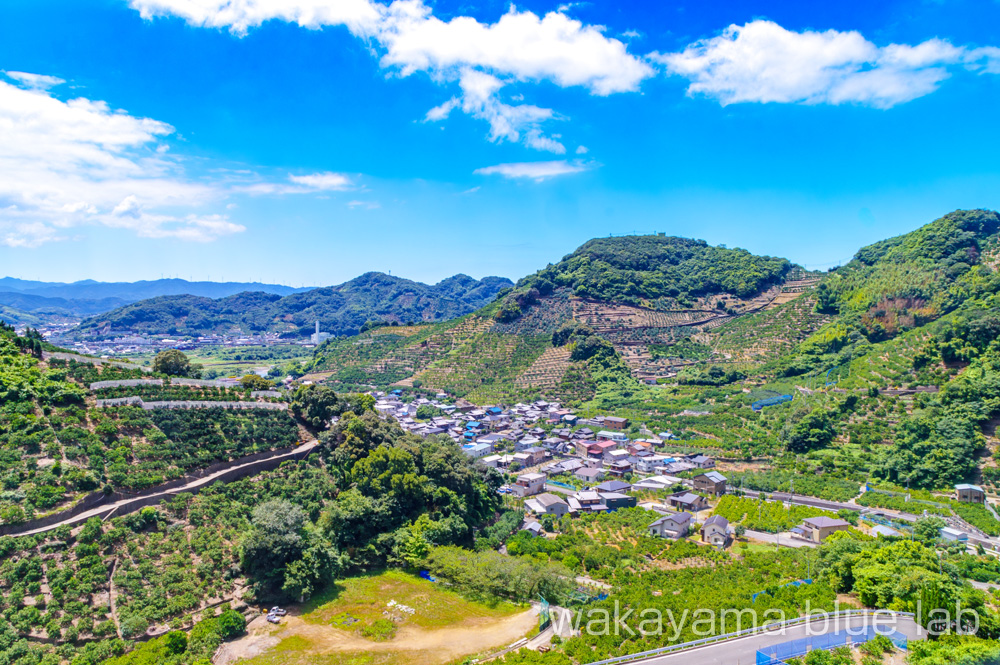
[
  {"x": 639, "y": 269},
  {"x": 883, "y": 374},
  {"x": 89, "y": 289},
  {"x": 624, "y": 325},
  {"x": 341, "y": 310},
  {"x": 48, "y": 306},
  {"x": 25, "y": 302}
]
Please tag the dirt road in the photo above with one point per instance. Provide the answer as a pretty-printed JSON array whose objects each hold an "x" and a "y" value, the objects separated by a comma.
[{"x": 411, "y": 644}]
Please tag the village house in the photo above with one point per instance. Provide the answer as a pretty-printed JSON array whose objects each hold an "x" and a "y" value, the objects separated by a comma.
[
  {"x": 817, "y": 529},
  {"x": 588, "y": 474},
  {"x": 477, "y": 450},
  {"x": 619, "y": 468},
  {"x": 672, "y": 526},
  {"x": 715, "y": 531},
  {"x": 536, "y": 455},
  {"x": 611, "y": 456},
  {"x": 970, "y": 493},
  {"x": 656, "y": 483},
  {"x": 701, "y": 461},
  {"x": 688, "y": 501},
  {"x": 565, "y": 466},
  {"x": 529, "y": 484},
  {"x": 649, "y": 464},
  {"x": 547, "y": 504},
  {"x": 615, "y": 423},
  {"x": 613, "y": 486},
  {"x": 606, "y": 435},
  {"x": 713, "y": 483},
  {"x": 616, "y": 500},
  {"x": 586, "y": 502},
  {"x": 534, "y": 528}
]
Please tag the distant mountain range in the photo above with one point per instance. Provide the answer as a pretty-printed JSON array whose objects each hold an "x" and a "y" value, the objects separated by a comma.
[
  {"x": 341, "y": 309},
  {"x": 28, "y": 302},
  {"x": 88, "y": 289}
]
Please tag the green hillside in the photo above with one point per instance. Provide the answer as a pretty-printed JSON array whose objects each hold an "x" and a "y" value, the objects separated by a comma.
[
  {"x": 849, "y": 347},
  {"x": 341, "y": 310},
  {"x": 636, "y": 292},
  {"x": 903, "y": 401}
]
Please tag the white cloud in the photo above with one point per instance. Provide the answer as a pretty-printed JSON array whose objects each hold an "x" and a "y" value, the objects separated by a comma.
[
  {"x": 360, "y": 16},
  {"x": 300, "y": 184},
  {"x": 323, "y": 181},
  {"x": 35, "y": 81},
  {"x": 536, "y": 171},
  {"x": 367, "y": 205},
  {"x": 523, "y": 45},
  {"x": 65, "y": 164},
  {"x": 763, "y": 62},
  {"x": 480, "y": 99},
  {"x": 985, "y": 59},
  {"x": 582, "y": 150},
  {"x": 482, "y": 58}
]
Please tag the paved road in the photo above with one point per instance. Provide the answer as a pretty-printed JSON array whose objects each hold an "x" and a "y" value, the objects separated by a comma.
[
  {"x": 106, "y": 509},
  {"x": 742, "y": 651}
]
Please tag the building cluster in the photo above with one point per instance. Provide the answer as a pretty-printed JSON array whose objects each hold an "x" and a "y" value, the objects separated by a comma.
[
  {"x": 542, "y": 441},
  {"x": 133, "y": 344}
]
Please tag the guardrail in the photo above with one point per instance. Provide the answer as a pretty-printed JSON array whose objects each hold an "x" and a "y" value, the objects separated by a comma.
[{"x": 767, "y": 627}]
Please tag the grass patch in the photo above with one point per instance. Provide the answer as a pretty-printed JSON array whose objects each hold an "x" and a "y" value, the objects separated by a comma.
[
  {"x": 293, "y": 643},
  {"x": 277, "y": 657},
  {"x": 360, "y": 602}
]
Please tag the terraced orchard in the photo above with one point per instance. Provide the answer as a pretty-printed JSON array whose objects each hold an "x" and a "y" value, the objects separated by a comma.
[
  {"x": 766, "y": 334},
  {"x": 546, "y": 372},
  {"x": 393, "y": 354},
  {"x": 487, "y": 361}
]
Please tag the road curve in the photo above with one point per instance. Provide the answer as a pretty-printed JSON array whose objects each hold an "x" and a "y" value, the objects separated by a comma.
[
  {"x": 107, "y": 509},
  {"x": 742, "y": 650}
]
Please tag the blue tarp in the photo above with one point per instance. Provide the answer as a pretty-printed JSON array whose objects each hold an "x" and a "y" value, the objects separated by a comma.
[
  {"x": 777, "y": 654},
  {"x": 770, "y": 401},
  {"x": 795, "y": 583}
]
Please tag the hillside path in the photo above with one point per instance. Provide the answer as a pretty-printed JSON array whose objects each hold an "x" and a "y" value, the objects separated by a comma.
[{"x": 107, "y": 509}]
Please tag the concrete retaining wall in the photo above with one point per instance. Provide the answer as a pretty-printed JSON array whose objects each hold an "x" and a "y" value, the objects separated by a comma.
[{"x": 245, "y": 466}]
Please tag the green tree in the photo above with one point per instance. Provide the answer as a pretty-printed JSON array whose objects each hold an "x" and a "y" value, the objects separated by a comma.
[
  {"x": 231, "y": 624},
  {"x": 254, "y": 382},
  {"x": 276, "y": 538},
  {"x": 173, "y": 363},
  {"x": 928, "y": 529},
  {"x": 176, "y": 642},
  {"x": 814, "y": 431},
  {"x": 315, "y": 404}
]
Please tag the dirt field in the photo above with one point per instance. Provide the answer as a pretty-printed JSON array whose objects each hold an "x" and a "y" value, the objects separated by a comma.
[
  {"x": 442, "y": 627},
  {"x": 297, "y": 641}
]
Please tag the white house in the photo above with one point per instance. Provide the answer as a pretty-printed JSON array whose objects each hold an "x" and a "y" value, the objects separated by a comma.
[
  {"x": 715, "y": 530},
  {"x": 672, "y": 526},
  {"x": 529, "y": 484}
]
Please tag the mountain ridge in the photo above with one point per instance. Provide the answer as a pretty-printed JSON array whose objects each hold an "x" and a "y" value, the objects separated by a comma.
[{"x": 341, "y": 309}]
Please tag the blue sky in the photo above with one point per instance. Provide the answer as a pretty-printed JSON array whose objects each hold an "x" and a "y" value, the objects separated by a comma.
[{"x": 308, "y": 141}]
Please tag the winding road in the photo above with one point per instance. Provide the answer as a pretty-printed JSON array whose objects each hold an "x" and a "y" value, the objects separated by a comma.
[{"x": 106, "y": 510}]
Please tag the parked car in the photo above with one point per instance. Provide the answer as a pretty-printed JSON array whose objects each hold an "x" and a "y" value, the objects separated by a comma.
[
  {"x": 271, "y": 618},
  {"x": 278, "y": 611}
]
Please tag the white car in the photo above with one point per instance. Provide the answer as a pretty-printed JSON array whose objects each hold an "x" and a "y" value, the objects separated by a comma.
[{"x": 273, "y": 619}]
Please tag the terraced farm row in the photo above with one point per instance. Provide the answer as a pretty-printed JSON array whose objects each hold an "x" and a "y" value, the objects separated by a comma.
[
  {"x": 486, "y": 362},
  {"x": 767, "y": 334}
]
